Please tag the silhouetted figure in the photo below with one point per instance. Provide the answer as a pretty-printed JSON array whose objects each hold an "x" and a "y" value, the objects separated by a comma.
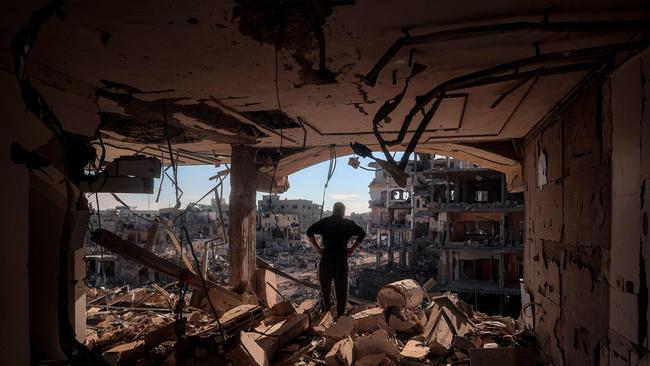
[{"x": 335, "y": 232}]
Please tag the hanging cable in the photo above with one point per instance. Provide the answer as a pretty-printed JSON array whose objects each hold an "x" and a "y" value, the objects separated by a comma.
[
  {"x": 330, "y": 173},
  {"x": 101, "y": 248},
  {"x": 192, "y": 204},
  {"x": 371, "y": 169},
  {"x": 171, "y": 153},
  {"x": 275, "y": 169},
  {"x": 205, "y": 287}
]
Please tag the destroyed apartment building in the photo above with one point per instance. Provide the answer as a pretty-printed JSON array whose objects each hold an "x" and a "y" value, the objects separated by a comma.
[
  {"x": 114, "y": 97},
  {"x": 454, "y": 222}
]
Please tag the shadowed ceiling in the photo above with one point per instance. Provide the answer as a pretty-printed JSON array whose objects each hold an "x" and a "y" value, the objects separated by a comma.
[{"x": 297, "y": 74}]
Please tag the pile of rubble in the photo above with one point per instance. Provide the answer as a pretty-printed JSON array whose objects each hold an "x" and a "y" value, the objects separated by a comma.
[
  {"x": 405, "y": 326},
  {"x": 255, "y": 324}
]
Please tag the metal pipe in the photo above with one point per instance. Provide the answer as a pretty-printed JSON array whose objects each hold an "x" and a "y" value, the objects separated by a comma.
[
  {"x": 493, "y": 29},
  {"x": 495, "y": 74}
]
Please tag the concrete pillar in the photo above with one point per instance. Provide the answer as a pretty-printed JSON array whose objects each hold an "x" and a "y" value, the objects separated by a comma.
[
  {"x": 447, "y": 230},
  {"x": 241, "y": 231},
  {"x": 442, "y": 268},
  {"x": 502, "y": 229},
  {"x": 410, "y": 258},
  {"x": 502, "y": 270},
  {"x": 77, "y": 293}
]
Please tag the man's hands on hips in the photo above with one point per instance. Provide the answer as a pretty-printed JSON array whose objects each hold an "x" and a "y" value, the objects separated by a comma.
[
  {"x": 320, "y": 251},
  {"x": 350, "y": 252}
]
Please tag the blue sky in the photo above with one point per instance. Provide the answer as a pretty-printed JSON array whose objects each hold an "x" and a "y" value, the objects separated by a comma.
[{"x": 348, "y": 185}]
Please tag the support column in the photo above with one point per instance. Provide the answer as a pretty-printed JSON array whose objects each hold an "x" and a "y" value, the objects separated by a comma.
[
  {"x": 502, "y": 270},
  {"x": 502, "y": 229},
  {"x": 241, "y": 231}
]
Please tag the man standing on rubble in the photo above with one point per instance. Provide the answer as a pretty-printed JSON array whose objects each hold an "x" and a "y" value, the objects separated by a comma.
[{"x": 335, "y": 231}]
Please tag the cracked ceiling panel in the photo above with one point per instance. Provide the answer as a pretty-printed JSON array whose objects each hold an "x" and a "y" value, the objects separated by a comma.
[{"x": 207, "y": 74}]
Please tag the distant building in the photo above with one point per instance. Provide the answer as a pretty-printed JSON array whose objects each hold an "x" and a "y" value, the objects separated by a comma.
[
  {"x": 279, "y": 226},
  {"x": 307, "y": 211},
  {"x": 133, "y": 225},
  {"x": 363, "y": 219},
  {"x": 463, "y": 212}
]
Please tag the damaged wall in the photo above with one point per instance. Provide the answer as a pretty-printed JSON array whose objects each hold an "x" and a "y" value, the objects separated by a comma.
[
  {"x": 586, "y": 222},
  {"x": 567, "y": 230},
  {"x": 628, "y": 287}
]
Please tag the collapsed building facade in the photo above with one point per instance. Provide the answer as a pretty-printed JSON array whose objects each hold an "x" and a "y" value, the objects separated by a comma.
[
  {"x": 464, "y": 212},
  {"x": 552, "y": 94}
]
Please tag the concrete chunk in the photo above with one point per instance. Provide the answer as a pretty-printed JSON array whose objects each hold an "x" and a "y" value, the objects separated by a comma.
[
  {"x": 341, "y": 354},
  {"x": 401, "y": 294}
]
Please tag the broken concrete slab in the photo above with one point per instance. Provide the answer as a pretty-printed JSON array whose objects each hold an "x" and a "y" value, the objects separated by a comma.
[
  {"x": 415, "y": 350},
  {"x": 275, "y": 332},
  {"x": 457, "y": 320},
  {"x": 263, "y": 283},
  {"x": 439, "y": 334},
  {"x": 401, "y": 294},
  {"x": 408, "y": 321},
  {"x": 283, "y": 308},
  {"x": 310, "y": 307},
  {"x": 343, "y": 327},
  {"x": 370, "y": 320},
  {"x": 341, "y": 354},
  {"x": 322, "y": 322},
  {"x": 126, "y": 353},
  {"x": 167, "y": 331},
  {"x": 375, "y": 359},
  {"x": 377, "y": 342}
]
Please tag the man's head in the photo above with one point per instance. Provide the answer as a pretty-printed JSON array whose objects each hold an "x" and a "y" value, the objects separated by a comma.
[{"x": 338, "y": 210}]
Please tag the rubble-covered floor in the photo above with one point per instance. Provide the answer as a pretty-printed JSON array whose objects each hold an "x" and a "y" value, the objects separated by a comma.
[{"x": 406, "y": 326}]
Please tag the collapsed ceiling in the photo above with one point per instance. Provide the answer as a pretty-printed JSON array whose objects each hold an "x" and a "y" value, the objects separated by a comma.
[{"x": 306, "y": 75}]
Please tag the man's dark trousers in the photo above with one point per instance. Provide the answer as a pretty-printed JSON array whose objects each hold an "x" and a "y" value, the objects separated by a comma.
[{"x": 336, "y": 270}]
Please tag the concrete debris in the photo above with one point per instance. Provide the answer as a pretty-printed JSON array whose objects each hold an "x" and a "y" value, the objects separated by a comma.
[
  {"x": 370, "y": 320},
  {"x": 343, "y": 327},
  {"x": 378, "y": 342},
  {"x": 408, "y": 321},
  {"x": 144, "y": 326},
  {"x": 341, "y": 353},
  {"x": 375, "y": 359},
  {"x": 415, "y": 350},
  {"x": 401, "y": 294}
]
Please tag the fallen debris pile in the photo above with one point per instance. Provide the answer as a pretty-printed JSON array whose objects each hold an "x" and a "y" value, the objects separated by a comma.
[
  {"x": 255, "y": 324},
  {"x": 405, "y": 327}
]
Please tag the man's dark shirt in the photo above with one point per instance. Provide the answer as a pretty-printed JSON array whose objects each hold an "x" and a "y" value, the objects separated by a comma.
[{"x": 336, "y": 232}]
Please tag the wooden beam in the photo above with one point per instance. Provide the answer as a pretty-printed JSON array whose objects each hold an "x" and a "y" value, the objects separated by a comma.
[
  {"x": 241, "y": 231},
  {"x": 144, "y": 257}
]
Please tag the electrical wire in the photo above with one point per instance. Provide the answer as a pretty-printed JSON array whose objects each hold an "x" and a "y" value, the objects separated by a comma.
[
  {"x": 171, "y": 153},
  {"x": 205, "y": 287},
  {"x": 101, "y": 248},
  {"x": 370, "y": 169},
  {"x": 192, "y": 204},
  {"x": 330, "y": 173},
  {"x": 275, "y": 169},
  {"x": 76, "y": 352}
]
